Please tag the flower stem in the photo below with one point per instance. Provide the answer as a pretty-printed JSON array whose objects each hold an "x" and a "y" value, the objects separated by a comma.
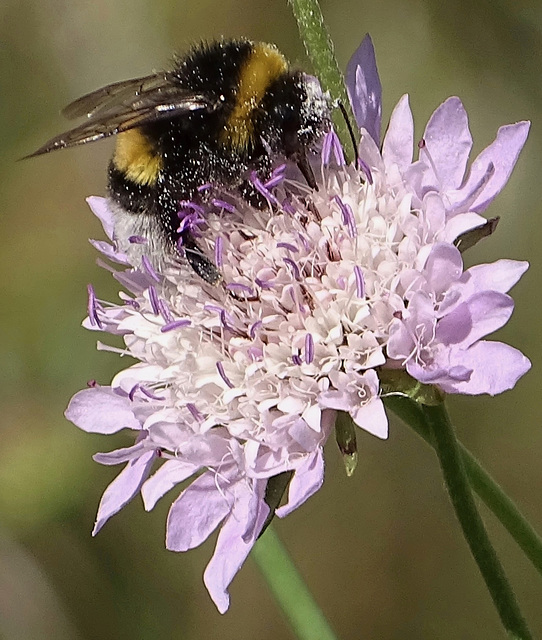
[
  {"x": 457, "y": 483},
  {"x": 484, "y": 485},
  {"x": 304, "y": 615},
  {"x": 319, "y": 47}
]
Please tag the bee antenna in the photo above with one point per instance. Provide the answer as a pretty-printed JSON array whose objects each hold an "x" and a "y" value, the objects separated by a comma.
[{"x": 350, "y": 130}]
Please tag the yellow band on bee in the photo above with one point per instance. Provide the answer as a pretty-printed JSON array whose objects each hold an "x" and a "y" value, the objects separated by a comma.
[
  {"x": 137, "y": 158},
  {"x": 264, "y": 65}
]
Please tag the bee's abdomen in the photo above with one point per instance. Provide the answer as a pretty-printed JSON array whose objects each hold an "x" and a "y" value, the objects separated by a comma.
[
  {"x": 132, "y": 196},
  {"x": 137, "y": 157},
  {"x": 257, "y": 72}
]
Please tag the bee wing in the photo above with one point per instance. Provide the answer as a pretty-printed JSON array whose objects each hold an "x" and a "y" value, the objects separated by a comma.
[
  {"x": 115, "y": 93},
  {"x": 120, "y": 107}
]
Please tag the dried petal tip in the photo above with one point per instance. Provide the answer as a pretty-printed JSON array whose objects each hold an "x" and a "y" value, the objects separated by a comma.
[{"x": 345, "y": 434}]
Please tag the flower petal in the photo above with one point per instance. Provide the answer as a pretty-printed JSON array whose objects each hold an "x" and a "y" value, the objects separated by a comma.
[
  {"x": 232, "y": 546},
  {"x": 372, "y": 417},
  {"x": 482, "y": 314},
  {"x": 500, "y": 276},
  {"x": 364, "y": 88},
  {"x": 197, "y": 512},
  {"x": 100, "y": 208},
  {"x": 398, "y": 143},
  {"x": 118, "y": 456},
  {"x": 306, "y": 481},
  {"x": 443, "y": 266},
  {"x": 502, "y": 154},
  {"x": 448, "y": 141},
  {"x": 496, "y": 367},
  {"x": 171, "y": 473},
  {"x": 110, "y": 252},
  {"x": 123, "y": 488},
  {"x": 101, "y": 410}
]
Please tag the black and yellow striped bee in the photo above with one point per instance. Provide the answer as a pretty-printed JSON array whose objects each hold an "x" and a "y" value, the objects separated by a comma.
[{"x": 224, "y": 110}]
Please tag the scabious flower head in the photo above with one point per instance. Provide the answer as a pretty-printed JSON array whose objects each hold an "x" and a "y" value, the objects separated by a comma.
[{"x": 237, "y": 383}]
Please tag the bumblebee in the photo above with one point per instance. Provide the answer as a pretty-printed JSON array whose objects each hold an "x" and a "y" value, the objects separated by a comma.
[{"x": 224, "y": 110}]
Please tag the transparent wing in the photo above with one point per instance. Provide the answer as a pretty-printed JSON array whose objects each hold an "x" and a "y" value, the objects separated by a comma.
[
  {"x": 123, "y": 106},
  {"x": 115, "y": 93}
]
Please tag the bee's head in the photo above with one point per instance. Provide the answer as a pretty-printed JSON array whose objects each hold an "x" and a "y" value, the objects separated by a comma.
[{"x": 295, "y": 114}]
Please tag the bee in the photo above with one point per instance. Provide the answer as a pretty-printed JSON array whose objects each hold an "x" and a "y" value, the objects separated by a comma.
[{"x": 224, "y": 110}]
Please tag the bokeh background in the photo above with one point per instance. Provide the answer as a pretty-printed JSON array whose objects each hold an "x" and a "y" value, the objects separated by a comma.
[{"x": 381, "y": 551}]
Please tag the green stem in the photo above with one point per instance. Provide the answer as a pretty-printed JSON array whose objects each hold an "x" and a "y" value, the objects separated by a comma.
[
  {"x": 484, "y": 485},
  {"x": 319, "y": 47},
  {"x": 457, "y": 483},
  {"x": 304, "y": 615}
]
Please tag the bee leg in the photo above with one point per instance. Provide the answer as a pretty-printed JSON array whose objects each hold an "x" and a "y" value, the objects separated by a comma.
[
  {"x": 199, "y": 262},
  {"x": 303, "y": 164}
]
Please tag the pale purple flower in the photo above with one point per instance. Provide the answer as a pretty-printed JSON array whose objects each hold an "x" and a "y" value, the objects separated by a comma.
[
  {"x": 438, "y": 336},
  {"x": 239, "y": 382}
]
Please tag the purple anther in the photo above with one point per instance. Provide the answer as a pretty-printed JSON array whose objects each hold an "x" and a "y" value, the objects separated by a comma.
[
  {"x": 186, "y": 223},
  {"x": 146, "y": 264},
  {"x": 92, "y": 384},
  {"x": 190, "y": 222},
  {"x": 137, "y": 240},
  {"x": 176, "y": 324},
  {"x": 213, "y": 307},
  {"x": 421, "y": 144},
  {"x": 222, "y": 373},
  {"x": 164, "y": 310},
  {"x": 238, "y": 286},
  {"x": 288, "y": 207},
  {"x": 187, "y": 206},
  {"x": 263, "y": 284},
  {"x": 92, "y": 308},
  {"x": 360, "y": 282},
  {"x": 218, "y": 251},
  {"x": 309, "y": 348},
  {"x": 293, "y": 267},
  {"x": 260, "y": 187},
  {"x": 337, "y": 149},
  {"x": 304, "y": 241},
  {"x": 348, "y": 216},
  {"x": 148, "y": 393},
  {"x": 366, "y": 170},
  {"x": 291, "y": 292},
  {"x": 398, "y": 315},
  {"x": 196, "y": 413},
  {"x": 222, "y": 204},
  {"x": 277, "y": 176},
  {"x": 153, "y": 299},
  {"x": 332, "y": 144},
  {"x": 225, "y": 321},
  {"x": 274, "y": 181},
  {"x": 287, "y": 245},
  {"x": 326, "y": 148},
  {"x": 204, "y": 187},
  {"x": 297, "y": 360},
  {"x": 254, "y": 328}
]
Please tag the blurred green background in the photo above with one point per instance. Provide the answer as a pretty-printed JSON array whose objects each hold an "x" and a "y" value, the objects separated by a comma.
[{"x": 381, "y": 551}]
